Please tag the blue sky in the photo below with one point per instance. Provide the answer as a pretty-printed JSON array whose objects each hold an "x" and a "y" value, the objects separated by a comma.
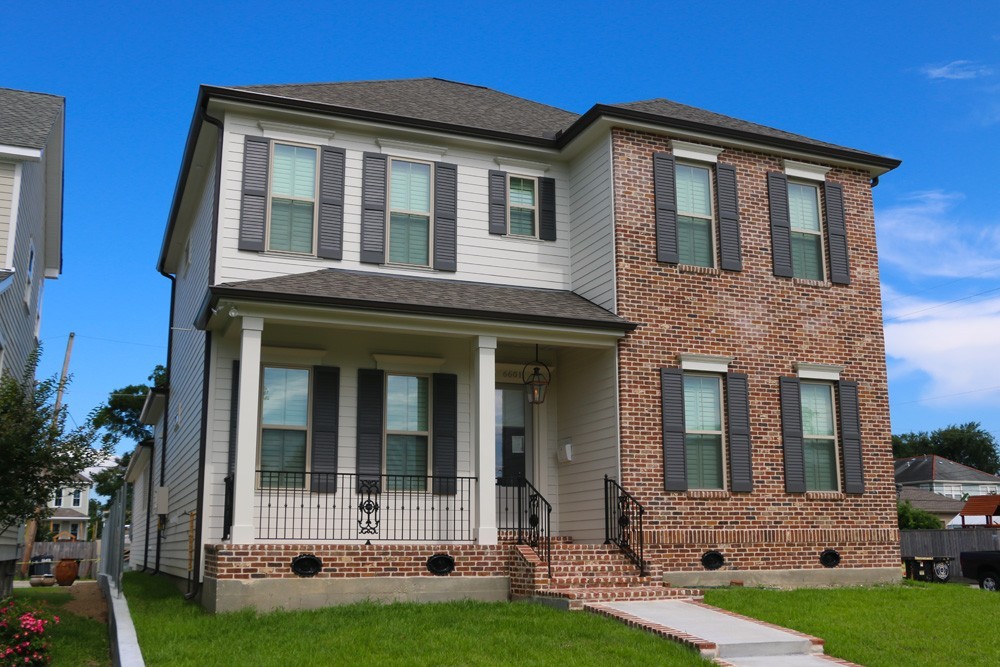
[{"x": 922, "y": 85}]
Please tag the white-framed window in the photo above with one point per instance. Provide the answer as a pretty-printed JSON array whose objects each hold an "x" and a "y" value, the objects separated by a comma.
[
  {"x": 819, "y": 436},
  {"x": 522, "y": 206},
  {"x": 292, "y": 198},
  {"x": 695, "y": 214},
  {"x": 76, "y": 497},
  {"x": 407, "y": 431},
  {"x": 704, "y": 443},
  {"x": 284, "y": 431},
  {"x": 29, "y": 278},
  {"x": 410, "y": 213},
  {"x": 59, "y": 498},
  {"x": 56, "y": 529},
  {"x": 988, "y": 489},
  {"x": 807, "y": 230},
  {"x": 952, "y": 491}
]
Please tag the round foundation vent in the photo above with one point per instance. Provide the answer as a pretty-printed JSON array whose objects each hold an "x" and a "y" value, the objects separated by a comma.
[
  {"x": 712, "y": 560},
  {"x": 441, "y": 564},
  {"x": 306, "y": 565},
  {"x": 829, "y": 558}
]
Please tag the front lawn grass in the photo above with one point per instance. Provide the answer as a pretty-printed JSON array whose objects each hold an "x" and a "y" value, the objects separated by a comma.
[
  {"x": 174, "y": 632},
  {"x": 914, "y": 624},
  {"x": 76, "y": 641}
]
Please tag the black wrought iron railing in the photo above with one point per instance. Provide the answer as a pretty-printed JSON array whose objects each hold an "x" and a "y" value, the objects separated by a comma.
[
  {"x": 227, "y": 511},
  {"x": 524, "y": 511},
  {"x": 623, "y": 523},
  {"x": 348, "y": 506}
]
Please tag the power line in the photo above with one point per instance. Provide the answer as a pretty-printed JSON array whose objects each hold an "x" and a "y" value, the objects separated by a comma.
[
  {"x": 961, "y": 393},
  {"x": 940, "y": 305},
  {"x": 989, "y": 268}
]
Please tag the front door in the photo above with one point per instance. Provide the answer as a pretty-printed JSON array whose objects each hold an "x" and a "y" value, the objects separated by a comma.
[{"x": 513, "y": 434}]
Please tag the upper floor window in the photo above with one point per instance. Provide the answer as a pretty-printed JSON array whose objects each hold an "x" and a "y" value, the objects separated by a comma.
[
  {"x": 409, "y": 212},
  {"x": 284, "y": 426},
  {"x": 819, "y": 437},
  {"x": 76, "y": 497},
  {"x": 407, "y": 431},
  {"x": 695, "y": 219},
  {"x": 703, "y": 434},
  {"x": 807, "y": 231},
  {"x": 988, "y": 489},
  {"x": 522, "y": 206},
  {"x": 952, "y": 491},
  {"x": 292, "y": 198},
  {"x": 59, "y": 498}
]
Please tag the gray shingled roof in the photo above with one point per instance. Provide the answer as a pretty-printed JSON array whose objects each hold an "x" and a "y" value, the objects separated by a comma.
[
  {"x": 435, "y": 100},
  {"x": 670, "y": 110},
  {"x": 26, "y": 118},
  {"x": 930, "y": 501},
  {"x": 930, "y": 468},
  {"x": 409, "y": 294},
  {"x": 67, "y": 513}
]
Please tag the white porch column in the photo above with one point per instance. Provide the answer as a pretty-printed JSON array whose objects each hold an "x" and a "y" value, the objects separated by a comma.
[
  {"x": 484, "y": 354},
  {"x": 246, "y": 431}
]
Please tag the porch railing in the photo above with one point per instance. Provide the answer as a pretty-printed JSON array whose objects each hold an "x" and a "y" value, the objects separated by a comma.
[
  {"x": 623, "y": 523},
  {"x": 348, "y": 506},
  {"x": 526, "y": 512}
]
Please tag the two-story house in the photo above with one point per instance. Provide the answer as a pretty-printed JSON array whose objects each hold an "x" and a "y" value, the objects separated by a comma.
[
  {"x": 31, "y": 192},
  {"x": 429, "y": 340},
  {"x": 69, "y": 518},
  {"x": 944, "y": 476}
]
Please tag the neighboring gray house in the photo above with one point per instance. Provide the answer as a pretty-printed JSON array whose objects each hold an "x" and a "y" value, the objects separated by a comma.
[
  {"x": 942, "y": 507},
  {"x": 948, "y": 478},
  {"x": 31, "y": 195},
  {"x": 69, "y": 518}
]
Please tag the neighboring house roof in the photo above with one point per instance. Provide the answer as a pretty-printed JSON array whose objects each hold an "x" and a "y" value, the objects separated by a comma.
[
  {"x": 981, "y": 506},
  {"x": 933, "y": 468},
  {"x": 930, "y": 501},
  {"x": 67, "y": 513},
  {"x": 26, "y": 118},
  {"x": 412, "y": 294}
]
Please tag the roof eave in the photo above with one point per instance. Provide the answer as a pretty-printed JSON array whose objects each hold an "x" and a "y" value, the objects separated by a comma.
[
  {"x": 880, "y": 164},
  {"x": 384, "y": 306}
]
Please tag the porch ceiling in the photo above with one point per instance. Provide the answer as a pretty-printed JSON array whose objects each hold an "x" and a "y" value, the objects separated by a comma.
[{"x": 369, "y": 291}]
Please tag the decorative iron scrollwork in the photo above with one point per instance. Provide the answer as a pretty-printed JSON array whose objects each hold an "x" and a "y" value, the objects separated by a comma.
[{"x": 369, "y": 510}]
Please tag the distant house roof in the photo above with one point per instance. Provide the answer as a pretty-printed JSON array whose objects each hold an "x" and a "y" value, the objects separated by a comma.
[
  {"x": 67, "y": 513},
  {"x": 930, "y": 501},
  {"x": 26, "y": 118},
  {"x": 410, "y": 294},
  {"x": 933, "y": 468}
]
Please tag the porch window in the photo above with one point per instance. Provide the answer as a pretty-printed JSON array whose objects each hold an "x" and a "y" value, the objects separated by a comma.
[
  {"x": 407, "y": 431},
  {"x": 284, "y": 426}
]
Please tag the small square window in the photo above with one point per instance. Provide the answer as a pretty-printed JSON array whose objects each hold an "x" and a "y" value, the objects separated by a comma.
[{"x": 522, "y": 206}]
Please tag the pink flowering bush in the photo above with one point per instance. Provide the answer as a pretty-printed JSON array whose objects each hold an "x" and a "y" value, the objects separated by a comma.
[{"x": 21, "y": 635}]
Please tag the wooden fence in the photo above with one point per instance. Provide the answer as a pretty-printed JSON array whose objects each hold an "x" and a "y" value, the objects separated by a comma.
[
  {"x": 85, "y": 552},
  {"x": 945, "y": 543}
]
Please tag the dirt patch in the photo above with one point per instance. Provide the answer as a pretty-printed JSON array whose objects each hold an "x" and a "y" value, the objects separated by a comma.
[{"x": 87, "y": 601}]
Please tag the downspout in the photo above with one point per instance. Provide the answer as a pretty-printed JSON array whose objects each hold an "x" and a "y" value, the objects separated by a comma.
[
  {"x": 149, "y": 507},
  {"x": 166, "y": 412},
  {"x": 194, "y": 584}
]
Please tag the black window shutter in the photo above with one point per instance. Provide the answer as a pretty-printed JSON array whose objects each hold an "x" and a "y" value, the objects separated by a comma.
[
  {"x": 498, "y": 202},
  {"x": 781, "y": 226},
  {"x": 445, "y": 216},
  {"x": 371, "y": 393},
  {"x": 850, "y": 436},
  {"x": 738, "y": 423},
  {"x": 836, "y": 234},
  {"x": 731, "y": 258},
  {"x": 665, "y": 195},
  {"x": 547, "y": 209},
  {"x": 444, "y": 442},
  {"x": 672, "y": 404},
  {"x": 791, "y": 435},
  {"x": 331, "y": 204},
  {"x": 234, "y": 411},
  {"x": 373, "y": 187},
  {"x": 325, "y": 423},
  {"x": 253, "y": 207}
]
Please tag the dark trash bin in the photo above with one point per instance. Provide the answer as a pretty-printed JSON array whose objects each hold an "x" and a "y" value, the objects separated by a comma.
[{"x": 40, "y": 566}]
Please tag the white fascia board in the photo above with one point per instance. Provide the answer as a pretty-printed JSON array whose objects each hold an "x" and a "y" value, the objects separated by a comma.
[
  {"x": 705, "y": 363},
  {"x": 20, "y": 153},
  {"x": 808, "y": 371}
]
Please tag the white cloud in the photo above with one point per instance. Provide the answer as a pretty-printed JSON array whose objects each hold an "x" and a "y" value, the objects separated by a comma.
[
  {"x": 957, "y": 69},
  {"x": 923, "y": 236}
]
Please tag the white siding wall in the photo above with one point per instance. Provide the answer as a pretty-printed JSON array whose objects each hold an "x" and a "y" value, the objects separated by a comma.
[
  {"x": 481, "y": 257},
  {"x": 183, "y": 420},
  {"x": 6, "y": 202},
  {"x": 592, "y": 208},
  {"x": 17, "y": 318},
  {"x": 140, "y": 496},
  {"x": 587, "y": 405}
]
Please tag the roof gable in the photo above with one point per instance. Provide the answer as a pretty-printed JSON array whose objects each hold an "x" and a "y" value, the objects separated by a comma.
[{"x": 26, "y": 118}]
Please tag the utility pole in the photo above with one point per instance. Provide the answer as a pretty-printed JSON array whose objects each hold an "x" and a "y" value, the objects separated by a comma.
[{"x": 31, "y": 527}]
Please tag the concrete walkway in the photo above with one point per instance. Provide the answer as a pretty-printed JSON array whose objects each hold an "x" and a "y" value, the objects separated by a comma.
[{"x": 728, "y": 638}]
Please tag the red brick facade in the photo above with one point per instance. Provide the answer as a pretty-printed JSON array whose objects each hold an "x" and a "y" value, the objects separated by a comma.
[{"x": 766, "y": 324}]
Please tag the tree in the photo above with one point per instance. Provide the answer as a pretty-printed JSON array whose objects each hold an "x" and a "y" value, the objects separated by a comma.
[
  {"x": 39, "y": 454},
  {"x": 119, "y": 416},
  {"x": 968, "y": 444},
  {"x": 911, "y": 517}
]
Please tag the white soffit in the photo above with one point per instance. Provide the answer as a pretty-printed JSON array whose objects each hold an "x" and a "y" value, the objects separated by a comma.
[
  {"x": 811, "y": 172},
  {"x": 818, "y": 371},
  {"x": 704, "y": 362},
  {"x": 688, "y": 151}
]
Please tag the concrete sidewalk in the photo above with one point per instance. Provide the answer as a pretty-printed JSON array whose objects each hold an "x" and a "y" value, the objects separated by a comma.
[{"x": 728, "y": 638}]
